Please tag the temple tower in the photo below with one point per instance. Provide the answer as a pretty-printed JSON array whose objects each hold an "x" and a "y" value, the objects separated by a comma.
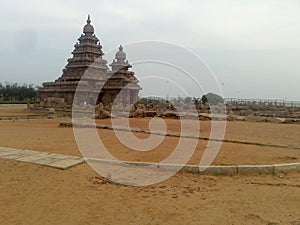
[
  {"x": 87, "y": 54},
  {"x": 121, "y": 79},
  {"x": 120, "y": 61},
  {"x": 87, "y": 60}
]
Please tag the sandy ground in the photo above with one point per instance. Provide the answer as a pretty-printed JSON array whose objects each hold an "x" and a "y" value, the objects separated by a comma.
[
  {"x": 32, "y": 194},
  {"x": 247, "y": 131},
  {"x": 14, "y": 110},
  {"x": 45, "y": 135}
]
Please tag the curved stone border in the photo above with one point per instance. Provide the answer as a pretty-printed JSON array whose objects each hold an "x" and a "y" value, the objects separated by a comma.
[
  {"x": 24, "y": 117},
  {"x": 174, "y": 134},
  {"x": 213, "y": 170},
  {"x": 64, "y": 162}
]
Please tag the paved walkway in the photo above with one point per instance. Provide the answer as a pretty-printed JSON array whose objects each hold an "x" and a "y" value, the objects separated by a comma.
[{"x": 42, "y": 158}]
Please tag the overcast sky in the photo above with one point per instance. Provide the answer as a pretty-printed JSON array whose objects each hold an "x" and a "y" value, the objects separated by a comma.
[{"x": 253, "y": 47}]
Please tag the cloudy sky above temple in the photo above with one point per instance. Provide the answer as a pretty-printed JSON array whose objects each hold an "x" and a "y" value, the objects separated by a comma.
[{"x": 253, "y": 47}]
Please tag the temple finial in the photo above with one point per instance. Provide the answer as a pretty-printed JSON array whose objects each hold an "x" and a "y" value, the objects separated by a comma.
[
  {"x": 121, "y": 48},
  {"x": 89, "y": 19}
]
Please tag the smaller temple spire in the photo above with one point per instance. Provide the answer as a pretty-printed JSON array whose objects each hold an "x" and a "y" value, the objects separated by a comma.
[
  {"x": 121, "y": 55},
  {"x": 89, "y": 19},
  {"x": 120, "y": 61}
]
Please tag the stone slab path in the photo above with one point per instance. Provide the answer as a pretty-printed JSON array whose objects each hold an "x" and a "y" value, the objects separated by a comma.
[{"x": 42, "y": 158}]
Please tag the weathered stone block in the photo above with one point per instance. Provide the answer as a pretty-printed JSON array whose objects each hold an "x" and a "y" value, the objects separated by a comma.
[
  {"x": 2, "y": 154},
  {"x": 259, "y": 169},
  {"x": 288, "y": 167},
  {"x": 67, "y": 163},
  {"x": 190, "y": 169},
  {"x": 33, "y": 157},
  {"x": 170, "y": 167},
  {"x": 218, "y": 170}
]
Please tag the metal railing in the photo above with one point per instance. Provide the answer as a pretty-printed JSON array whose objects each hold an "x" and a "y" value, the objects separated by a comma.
[{"x": 270, "y": 102}]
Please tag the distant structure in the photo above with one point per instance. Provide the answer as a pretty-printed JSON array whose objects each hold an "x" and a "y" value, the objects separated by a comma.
[{"x": 87, "y": 59}]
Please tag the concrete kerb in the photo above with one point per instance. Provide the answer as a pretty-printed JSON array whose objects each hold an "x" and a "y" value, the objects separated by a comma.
[
  {"x": 285, "y": 168},
  {"x": 260, "y": 169},
  {"x": 218, "y": 170},
  {"x": 212, "y": 170}
]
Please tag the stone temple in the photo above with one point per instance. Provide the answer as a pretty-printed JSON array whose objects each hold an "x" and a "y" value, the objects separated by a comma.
[{"x": 98, "y": 83}]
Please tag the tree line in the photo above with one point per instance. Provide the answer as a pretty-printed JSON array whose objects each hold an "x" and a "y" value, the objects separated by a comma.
[
  {"x": 18, "y": 92},
  {"x": 211, "y": 98}
]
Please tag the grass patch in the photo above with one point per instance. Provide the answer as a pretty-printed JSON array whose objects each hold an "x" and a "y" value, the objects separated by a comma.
[{"x": 18, "y": 102}]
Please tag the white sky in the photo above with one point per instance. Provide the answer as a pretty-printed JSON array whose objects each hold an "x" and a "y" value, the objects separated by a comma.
[{"x": 253, "y": 47}]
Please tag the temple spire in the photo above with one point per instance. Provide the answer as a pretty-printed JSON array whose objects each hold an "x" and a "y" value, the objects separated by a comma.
[
  {"x": 88, "y": 28},
  {"x": 89, "y": 19},
  {"x": 120, "y": 61}
]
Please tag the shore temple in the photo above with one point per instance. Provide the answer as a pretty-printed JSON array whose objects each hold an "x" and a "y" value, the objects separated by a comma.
[{"x": 88, "y": 67}]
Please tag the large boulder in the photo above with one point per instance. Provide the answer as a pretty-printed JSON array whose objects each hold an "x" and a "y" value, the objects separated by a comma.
[
  {"x": 150, "y": 113},
  {"x": 255, "y": 119},
  {"x": 138, "y": 113},
  {"x": 170, "y": 114},
  {"x": 102, "y": 114},
  {"x": 275, "y": 120},
  {"x": 205, "y": 116},
  {"x": 292, "y": 121}
]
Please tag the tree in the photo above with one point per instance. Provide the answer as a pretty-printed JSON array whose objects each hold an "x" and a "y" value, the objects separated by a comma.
[
  {"x": 15, "y": 91},
  {"x": 212, "y": 99},
  {"x": 187, "y": 100},
  {"x": 204, "y": 99},
  {"x": 196, "y": 100}
]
